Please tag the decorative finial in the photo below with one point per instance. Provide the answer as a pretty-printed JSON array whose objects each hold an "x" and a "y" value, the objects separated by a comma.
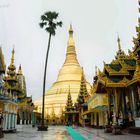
[
  {"x": 69, "y": 89},
  {"x": 82, "y": 72},
  {"x": 12, "y": 59},
  {"x": 70, "y": 30},
  {"x": 119, "y": 44},
  {"x": 20, "y": 70},
  {"x": 96, "y": 70}
]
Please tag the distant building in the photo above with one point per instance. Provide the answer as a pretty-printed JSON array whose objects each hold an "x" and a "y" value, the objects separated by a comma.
[{"x": 25, "y": 105}]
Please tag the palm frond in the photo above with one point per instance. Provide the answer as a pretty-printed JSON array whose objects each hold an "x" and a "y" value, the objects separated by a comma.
[
  {"x": 50, "y": 30},
  {"x": 43, "y": 17},
  {"x": 49, "y": 22},
  {"x": 59, "y": 23},
  {"x": 42, "y": 24}
]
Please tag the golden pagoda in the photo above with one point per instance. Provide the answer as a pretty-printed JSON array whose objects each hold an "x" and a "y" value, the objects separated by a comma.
[
  {"x": 69, "y": 75},
  {"x": 9, "y": 100}
]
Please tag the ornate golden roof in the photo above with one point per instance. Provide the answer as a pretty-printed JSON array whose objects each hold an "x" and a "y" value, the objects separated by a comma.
[
  {"x": 11, "y": 76},
  {"x": 69, "y": 104},
  {"x": 120, "y": 53}
]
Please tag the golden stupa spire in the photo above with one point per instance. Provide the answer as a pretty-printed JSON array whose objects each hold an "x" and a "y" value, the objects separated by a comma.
[
  {"x": 98, "y": 71},
  {"x": 12, "y": 67},
  {"x": 120, "y": 53},
  {"x": 95, "y": 70},
  {"x": 83, "y": 93},
  {"x": 12, "y": 59},
  {"x": 71, "y": 53},
  {"x": 20, "y": 70},
  {"x": 119, "y": 44},
  {"x": 69, "y": 104}
]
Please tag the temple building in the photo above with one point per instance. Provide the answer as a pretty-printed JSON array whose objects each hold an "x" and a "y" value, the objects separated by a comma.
[
  {"x": 17, "y": 108},
  {"x": 115, "y": 93},
  {"x": 69, "y": 75},
  {"x": 116, "y": 90},
  {"x": 25, "y": 105},
  {"x": 9, "y": 97}
]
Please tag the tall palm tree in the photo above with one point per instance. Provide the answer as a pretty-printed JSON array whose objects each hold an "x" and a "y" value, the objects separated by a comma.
[{"x": 49, "y": 23}]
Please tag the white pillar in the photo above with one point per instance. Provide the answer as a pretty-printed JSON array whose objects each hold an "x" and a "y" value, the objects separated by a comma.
[
  {"x": 20, "y": 121},
  {"x": 9, "y": 121},
  {"x": 91, "y": 119},
  {"x": 24, "y": 122},
  {"x": 13, "y": 120},
  {"x": 95, "y": 119},
  {"x": 5, "y": 122}
]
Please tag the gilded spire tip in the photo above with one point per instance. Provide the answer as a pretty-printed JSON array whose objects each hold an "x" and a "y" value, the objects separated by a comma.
[
  {"x": 20, "y": 70},
  {"x": 69, "y": 89},
  {"x": 119, "y": 44},
  {"x": 70, "y": 30},
  {"x": 98, "y": 71},
  {"x": 71, "y": 53},
  {"x": 12, "y": 59},
  {"x": 95, "y": 70}
]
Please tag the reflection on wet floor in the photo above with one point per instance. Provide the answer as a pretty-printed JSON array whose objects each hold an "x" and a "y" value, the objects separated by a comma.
[
  {"x": 29, "y": 133},
  {"x": 74, "y": 134},
  {"x": 26, "y": 132}
]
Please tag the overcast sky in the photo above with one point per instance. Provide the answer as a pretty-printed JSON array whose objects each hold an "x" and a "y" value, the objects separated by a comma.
[{"x": 95, "y": 23}]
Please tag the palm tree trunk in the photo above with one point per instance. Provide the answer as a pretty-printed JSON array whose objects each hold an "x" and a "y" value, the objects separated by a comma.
[{"x": 44, "y": 81}]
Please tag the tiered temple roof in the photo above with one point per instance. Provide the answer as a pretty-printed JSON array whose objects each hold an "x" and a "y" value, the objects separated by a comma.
[
  {"x": 69, "y": 105},
  {"x": 11, "y": 84},
  {"x": 83, "y": 95}
]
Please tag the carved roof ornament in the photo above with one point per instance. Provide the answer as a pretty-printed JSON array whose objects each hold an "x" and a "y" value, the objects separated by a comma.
[
  {"x": 120, "y": 53},
  {"x": 20, "y": 71}
]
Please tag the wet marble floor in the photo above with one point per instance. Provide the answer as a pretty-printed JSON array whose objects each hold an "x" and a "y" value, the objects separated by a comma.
[
  {"x": 29, "y": 133},
  {"x": 26, "y": 132}
]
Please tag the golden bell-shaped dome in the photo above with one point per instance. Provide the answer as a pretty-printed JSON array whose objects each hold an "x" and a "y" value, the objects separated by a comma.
[{"x": 69, "y": 76}]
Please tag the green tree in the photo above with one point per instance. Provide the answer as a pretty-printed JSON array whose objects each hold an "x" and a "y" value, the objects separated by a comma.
[{"x": 49, "y": 23}]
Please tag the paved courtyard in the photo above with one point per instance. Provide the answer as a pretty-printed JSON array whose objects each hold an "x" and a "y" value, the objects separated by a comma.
[
  {"x": 28, "y": 133},
  {"x": 60, "y": 133}
]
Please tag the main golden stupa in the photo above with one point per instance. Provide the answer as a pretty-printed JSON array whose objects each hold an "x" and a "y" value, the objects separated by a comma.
[{"x": 69, "y": 77}]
